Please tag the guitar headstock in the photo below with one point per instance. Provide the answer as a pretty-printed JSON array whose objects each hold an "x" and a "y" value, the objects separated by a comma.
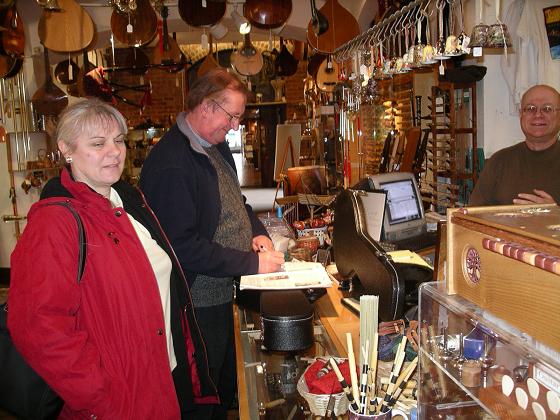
[{"x": 161, "y": 8}]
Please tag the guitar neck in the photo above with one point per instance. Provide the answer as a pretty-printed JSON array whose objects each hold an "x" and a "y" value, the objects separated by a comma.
[{"x": 48, "y": 76}]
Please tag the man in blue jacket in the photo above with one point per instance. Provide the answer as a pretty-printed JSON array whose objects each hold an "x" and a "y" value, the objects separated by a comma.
[{"x": 190, "y": 181}]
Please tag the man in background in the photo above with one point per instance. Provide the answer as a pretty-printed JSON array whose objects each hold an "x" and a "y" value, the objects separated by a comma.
[{"x": 528, "y": 172}]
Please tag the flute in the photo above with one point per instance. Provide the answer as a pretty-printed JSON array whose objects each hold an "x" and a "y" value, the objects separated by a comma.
[{"x": 344, "y": 385}]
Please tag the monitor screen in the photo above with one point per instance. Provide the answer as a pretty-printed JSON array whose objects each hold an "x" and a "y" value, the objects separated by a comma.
[
  {"x": 404, "y": 211},
  {"x": 402, "y": 202}
]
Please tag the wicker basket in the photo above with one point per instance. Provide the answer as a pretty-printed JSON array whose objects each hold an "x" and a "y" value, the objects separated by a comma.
[{"x": 318, "y": 402}]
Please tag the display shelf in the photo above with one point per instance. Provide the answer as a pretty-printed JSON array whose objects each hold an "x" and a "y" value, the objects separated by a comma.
[{"x": 449, "y": 387}]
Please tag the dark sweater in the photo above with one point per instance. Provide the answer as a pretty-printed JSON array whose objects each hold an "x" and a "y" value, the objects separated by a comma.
[
  {"x": 517, "y": 169},
  {"x": 181, "y": 186}
]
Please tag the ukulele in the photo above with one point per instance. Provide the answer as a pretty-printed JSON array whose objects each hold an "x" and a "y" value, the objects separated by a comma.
[
  {"x": 135, "y": 27},
  {"x": 247, "y": 60},
  {"x": 49, "y": 99},
  {"x": 67, "y": 30},
  {"x": 167, "y": 51}
]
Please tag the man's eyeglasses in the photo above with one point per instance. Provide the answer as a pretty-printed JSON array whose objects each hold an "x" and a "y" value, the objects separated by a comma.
[
  {"x": 533, "y": 109},
  {"x": 231, "y": 117}
]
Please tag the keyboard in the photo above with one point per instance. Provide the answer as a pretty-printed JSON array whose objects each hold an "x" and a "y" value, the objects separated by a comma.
[
  {"x": 352, "y": 304},
  {"x": 388, "y": 246},
  {"x": 416, "y": 243}
]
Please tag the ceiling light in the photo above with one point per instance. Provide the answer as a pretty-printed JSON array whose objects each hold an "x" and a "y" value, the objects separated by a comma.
[{"x": 240, "y": 22}]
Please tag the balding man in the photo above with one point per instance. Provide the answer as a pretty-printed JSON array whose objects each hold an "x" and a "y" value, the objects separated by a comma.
[{"x": 528, "y": 172}]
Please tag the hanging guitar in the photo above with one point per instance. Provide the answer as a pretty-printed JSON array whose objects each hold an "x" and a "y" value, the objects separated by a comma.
[
  {"x": 247, "y": 60},
  {"x": 267, "y": 14},
  {"x": 167, "y": 52},
  {"x": 342, "y": 27},
  {"x": 67, "y": 30},
  {"x": 134, "y": 27}
]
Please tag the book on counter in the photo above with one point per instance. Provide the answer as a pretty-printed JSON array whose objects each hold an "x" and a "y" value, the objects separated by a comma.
[{"x": 296, "y": 275}]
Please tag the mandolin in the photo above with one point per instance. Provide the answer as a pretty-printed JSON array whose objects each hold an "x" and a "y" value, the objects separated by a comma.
[
  {"x": 10, "y": 66},
  {"x": 67, "y": 30},
  {"x": 327, "y": 75},
  {"x": 247, "y": 60},
  {"x": 49, "y": 99},
  {"x": 167, "y": 51},
  {"x": 286, "y": 64},
  {"x": 135, "y": 27},
  {"x": 12, "y": 37},
  {"x": 267, "y": 14},
  {"x": 342, "y": 27},
  {"x": 209, "y": 61},
  {"x": 201, "y": 12},
  {"x": 66, "y": 72}
]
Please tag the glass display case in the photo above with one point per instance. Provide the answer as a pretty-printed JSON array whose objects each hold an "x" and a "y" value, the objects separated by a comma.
[
  {"x": 271, "y": 378},
  {"x": 475, "y": 365}
]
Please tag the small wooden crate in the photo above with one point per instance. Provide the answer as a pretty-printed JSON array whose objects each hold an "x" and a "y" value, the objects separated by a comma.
[{"x": 506, "y": 259}]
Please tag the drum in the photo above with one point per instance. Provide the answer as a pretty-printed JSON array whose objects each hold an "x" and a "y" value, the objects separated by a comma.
[{"x": 306, "y": 179}]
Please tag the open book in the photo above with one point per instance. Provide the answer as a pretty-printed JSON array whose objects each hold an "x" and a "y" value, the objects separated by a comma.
[{"x": 296, "y": 275}]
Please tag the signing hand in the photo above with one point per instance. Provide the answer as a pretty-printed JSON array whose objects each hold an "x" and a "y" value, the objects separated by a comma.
[
  {"x": 262, "y": 242},
  {"x": 270, "y": 261},
  {"x": 539, "y": 197}
]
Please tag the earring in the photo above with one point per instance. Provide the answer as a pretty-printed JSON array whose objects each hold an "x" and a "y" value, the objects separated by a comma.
[{"x": 68, "y": 159}]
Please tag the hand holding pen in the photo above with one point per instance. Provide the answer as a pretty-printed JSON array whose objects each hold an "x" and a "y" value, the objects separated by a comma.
[{"x": 270, "y": 260}]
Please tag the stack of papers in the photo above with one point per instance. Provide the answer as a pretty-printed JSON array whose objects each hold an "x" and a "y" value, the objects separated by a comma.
[{"x": 296, "y": 275}]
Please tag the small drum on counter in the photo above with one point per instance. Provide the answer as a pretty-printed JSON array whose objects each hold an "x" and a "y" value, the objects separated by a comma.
[{"x": 287, "y": 320}]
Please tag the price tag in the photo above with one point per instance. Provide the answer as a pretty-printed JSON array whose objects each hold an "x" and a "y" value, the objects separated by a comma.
[
  {"x": 477, "y": 52},
  {"x": 129, "y": 28}
]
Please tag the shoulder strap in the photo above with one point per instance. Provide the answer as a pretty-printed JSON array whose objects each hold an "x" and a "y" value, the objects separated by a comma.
[{"x": 81, "y": 236}]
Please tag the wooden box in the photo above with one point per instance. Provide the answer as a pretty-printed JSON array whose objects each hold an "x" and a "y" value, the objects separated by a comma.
[{"x": 506, "y": 259}]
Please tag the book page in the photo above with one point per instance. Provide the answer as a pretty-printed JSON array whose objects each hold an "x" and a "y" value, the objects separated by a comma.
[
  {"x": 374, "y": 209},
  {"x": 296, "y": 275}
]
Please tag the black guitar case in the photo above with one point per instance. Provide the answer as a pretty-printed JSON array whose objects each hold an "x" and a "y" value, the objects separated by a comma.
[{"x": 360, "y": 258}]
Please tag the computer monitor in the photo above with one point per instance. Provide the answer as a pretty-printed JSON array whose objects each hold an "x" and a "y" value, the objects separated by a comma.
[{"x": 404, "y": 212}]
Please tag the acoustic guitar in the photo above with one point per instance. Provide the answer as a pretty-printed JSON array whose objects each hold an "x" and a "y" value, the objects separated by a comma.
[
  {"x": 167, "y": 51},
  {"x": 12, "y": 37},
  {"x": 200, "y": 13},
  {"x": 247, "y": 60},
  {"x": 342, "y": 27},
  {"x": 49, "y": 99},
  {"x": 267, "y": 14},
  {"x": 135, "y": 27},
  {"x": 67, "y": 30},
  {"x": 327, "y": 75},
  {"x": 10, "y": 66}
]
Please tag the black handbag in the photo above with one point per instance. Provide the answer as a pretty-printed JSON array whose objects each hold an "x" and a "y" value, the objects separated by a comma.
[{"x": 23, "y": 393}]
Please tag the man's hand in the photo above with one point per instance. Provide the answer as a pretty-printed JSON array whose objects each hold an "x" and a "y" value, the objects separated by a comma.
[
  {"x": 270, "y": 261},
  {"x": 539, "y": 197},
  {"x": 262, "y": 242}
]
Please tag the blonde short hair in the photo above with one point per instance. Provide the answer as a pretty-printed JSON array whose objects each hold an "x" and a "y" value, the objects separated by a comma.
[{"x": 84, "y": 117}]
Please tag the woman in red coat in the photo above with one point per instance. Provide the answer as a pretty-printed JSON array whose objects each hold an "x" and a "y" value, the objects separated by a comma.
[{"x": 122, "y": 343}]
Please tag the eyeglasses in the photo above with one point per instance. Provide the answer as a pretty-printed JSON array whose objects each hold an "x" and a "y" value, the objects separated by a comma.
[
  {"x": 533, "y": 109},
  {"x": 231, "y": 117}
]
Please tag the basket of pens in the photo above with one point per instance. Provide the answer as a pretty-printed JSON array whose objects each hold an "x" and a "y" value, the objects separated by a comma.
[{"x": 321, "y": 389}]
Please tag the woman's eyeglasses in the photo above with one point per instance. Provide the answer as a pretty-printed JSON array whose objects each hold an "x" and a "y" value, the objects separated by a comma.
[
  {"x": 231, "y": 117},
  {"x": 533, "y": 109}
]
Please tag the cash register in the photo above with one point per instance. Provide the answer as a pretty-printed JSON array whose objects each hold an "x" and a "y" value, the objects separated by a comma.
[{"x": 383, "y": 207}]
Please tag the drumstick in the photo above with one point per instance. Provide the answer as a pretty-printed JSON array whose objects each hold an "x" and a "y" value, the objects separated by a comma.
[
  {"x": 364, "y": 379},
  {"x": 397, "y": 364},
  {"x": 402, "y": 381},
  {"x": 372, "y": 381},
  {"x": 344, "y": 385},
  {"x": 352, "y": 362}
]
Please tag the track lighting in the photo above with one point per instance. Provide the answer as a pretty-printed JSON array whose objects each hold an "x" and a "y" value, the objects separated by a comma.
[{"x": 241, "y": 23}]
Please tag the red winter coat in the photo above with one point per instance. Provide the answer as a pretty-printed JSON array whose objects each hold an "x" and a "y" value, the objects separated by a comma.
[{"x": 101, "y": 344}]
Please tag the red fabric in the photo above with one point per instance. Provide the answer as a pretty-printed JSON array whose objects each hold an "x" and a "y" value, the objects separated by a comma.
[
  {"x": 98, "y": 343},
  {"x": 328, "y": 383}
]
